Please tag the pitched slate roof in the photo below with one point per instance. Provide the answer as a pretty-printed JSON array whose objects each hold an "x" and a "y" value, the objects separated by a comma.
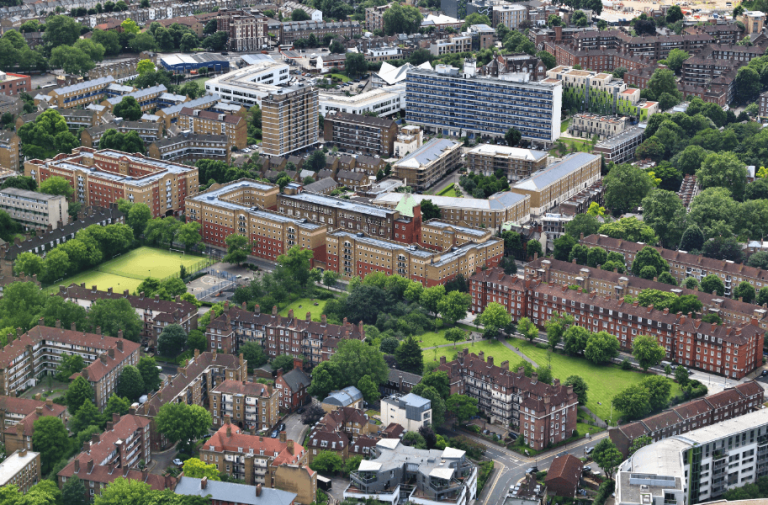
[{"x": 296, "y": 379}]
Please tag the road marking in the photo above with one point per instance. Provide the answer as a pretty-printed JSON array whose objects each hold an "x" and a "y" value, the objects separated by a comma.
[{"x": 496, "y": 480}]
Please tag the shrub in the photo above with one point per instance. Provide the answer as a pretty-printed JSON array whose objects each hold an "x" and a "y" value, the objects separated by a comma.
[
  {"x": 626, "y": 365},
  {"x": 605, "y": 491}
]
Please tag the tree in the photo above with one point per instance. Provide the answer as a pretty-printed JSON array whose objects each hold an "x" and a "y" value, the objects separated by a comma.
[
  {"x": 50, "y": 439},
  {"x": 744, "y": 291},
  {"x": 94, "y": 50},
  {"x": 123, "y": 491},
  {"x": 145, "y": 66},
  {"x": 183, "y": 423},
  {"x": 237, "y": 249},
  {"x": 547, "y": 58},
  {"x": 431, "y": 298},
  {"x": 370, "y": 389},
  {"x": 713, "y": 284},
  {"x": 357, "y": 359},
  {"x": 72, "y": 60},
  {"x": 596, "y": 256},
  {"x": 409, "y": 356},
  {"x": 327, "y": 462},
  {"x": 283, "y": 362},
  {"x": 633, "y": 402},
  {"x": 692, "y": 239},
  {"x": 648, "y": 256},
  {"x": 69, "y": 364},
  {"x": 675, "y": 60},
  {"x": 297, "y": 263},
  {"x": 681, "y": 375},
  {"x": 312, "y": 414},
  {"x": 316, "y": 161},
  {"x": 748, "y": 85},
  {"x": 87, "y": 415},
  {"x": 130, "y": 383},
  {"x": 625, "y": 187},
  {"x": 563, "y": 246},
  {"x": 723, "y": 170},
  {"x": 430, "y": 211},
  {"x": 57, "y": 186},
  {"x": 73, "y": 492},
  {"x": 601, "y": 347},
  {"x": 663, "y": 81},
  {"x": 138, "y": 217},
  {"x": 582, "y": 224},
  {"x": 647, "y": 351},
  {"x": 643, "y": 440},
  {"x": 299, "y": 15},
  {"x": 665, "y": 214},
  {"x": 607, "y": 457},
  {"x": 171, "y": 341},
  {"x": 462, "y": 407},
  {"x": 61, "y": 31},
  {"x": 658, "y": 388},
  {"x": 197, "y": 469},
  {"x": 513, "y": 135},
  {"x": 455, "y": 335},
  {"x": 161, "y": 230},
  {"x": 253, "y": 353},
  {"x": 403, "y": 19},
  {"x": 117, "y": 405},
  {"x": 355, "y": 63},
  {"x": 114, "y": 316},
  {"x": 454, "y": 306},
  {"x": 150, "y": 375},
  {"x": 690, "y": 159},
  {"x": 128, "y": 109},
  {"x": 575, "y": 339},
  {"x": 130, "y": 26},
  {"x": 438, "y": 404},
  {"x": 330, "y": 278},
  {"x": 77, "y": 394},
  {"x": 556, "y": 327},
  {"x": 188, "y": 42},
  {"x": 495, "y": 316},
  {"x": 580, "y": 387},
  {"x": 526, "y": 327},
  {"x": 533, "y": 248},
  {"x": 109, "y": 40}
]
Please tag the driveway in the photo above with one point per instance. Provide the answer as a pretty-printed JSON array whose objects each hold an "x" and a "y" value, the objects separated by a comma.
[
  {"x": 338, "y": 485},
  {"x": 162, "y": 460},
  {"x": 294, "y": 430}
]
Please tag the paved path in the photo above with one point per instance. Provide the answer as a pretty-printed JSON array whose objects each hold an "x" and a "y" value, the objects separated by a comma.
[
  {"x": 517, "y": 351},
  {"x": 600, "y": 422}
]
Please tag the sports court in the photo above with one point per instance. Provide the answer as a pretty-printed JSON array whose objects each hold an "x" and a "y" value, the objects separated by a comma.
[{"x": 128, "y": 270}]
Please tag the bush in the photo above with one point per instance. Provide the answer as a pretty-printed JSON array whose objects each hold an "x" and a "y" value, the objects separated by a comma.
[
  {"x": 605, "y": 490},
  {"x": 626, "y": 365},
  {"x": 486, "y": 469}
]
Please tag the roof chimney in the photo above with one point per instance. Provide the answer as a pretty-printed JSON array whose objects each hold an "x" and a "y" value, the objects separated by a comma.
[
  {"x": 258, "y": 489},
  {"x": 204, "y": 483}
]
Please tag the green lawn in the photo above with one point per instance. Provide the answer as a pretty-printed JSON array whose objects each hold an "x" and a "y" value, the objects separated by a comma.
[
  {"x": 604, "y": 381},
  {"x": 448, "y": 191},
  {"x": 586, "y": 428},
  {"x": 564, "y": 125},
  {"x": 341, "y": 77},
  {"x": 201, "y": 81},
  {"x": 581, "y": 145},
  {"x": 302, "y": 306},
  {"x": 128, "y": 270},
  {"x": 435, "y": 338}
]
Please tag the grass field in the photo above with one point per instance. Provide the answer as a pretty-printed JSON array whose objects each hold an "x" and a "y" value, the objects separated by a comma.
[
  {"x": 342, "y": 78},
  {"x": 201, "y": 81},
  {"x": 307, "y": 305},
  {"x": 127, "y": 271},
  {"x": 448, "y": 191},
  {"x": 435, "y": 338},
  {"x": 581, "y": 145},
  {"x": 604, "y": 381},
  {"x": 564, "y": 125}
]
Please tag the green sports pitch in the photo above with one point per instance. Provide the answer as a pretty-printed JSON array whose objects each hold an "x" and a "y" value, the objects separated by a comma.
[{"x": 129, "y": 269}]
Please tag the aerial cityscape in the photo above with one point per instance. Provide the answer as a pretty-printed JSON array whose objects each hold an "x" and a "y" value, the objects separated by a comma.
[{"x": 374, "y": 252}]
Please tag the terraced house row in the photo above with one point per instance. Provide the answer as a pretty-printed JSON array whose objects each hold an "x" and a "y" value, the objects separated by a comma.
[
  {"x": 727, "y": 404},
  {"x": 732, "y": 351},
  {"x": 541, "y": 413},
  {"x": 315, "y": 341}
]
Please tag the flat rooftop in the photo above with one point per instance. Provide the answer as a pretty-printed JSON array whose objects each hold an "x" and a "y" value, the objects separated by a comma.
[
  {"x": 13, "y": 464},
  {"x": 553, "y": 173},
  {"x": 512, "y": 152},
  {"x": 509, "y": 199},
  {"x": 725, "y": 428}
]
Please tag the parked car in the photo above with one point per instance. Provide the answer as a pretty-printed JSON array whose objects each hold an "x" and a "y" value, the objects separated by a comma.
[
  {"x": 589, "y": 450},
  {"x": 178, "y": 462},
  {"x": 532, "y": 469},
  {"x": 281, "y": 427},
  {"x": 765, "y": 372},
  {"x": 587, "y": 469},
  {"x": 274, "y": 434}
]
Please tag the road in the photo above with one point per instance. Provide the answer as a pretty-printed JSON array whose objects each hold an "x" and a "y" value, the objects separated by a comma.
[
  {"x": 294, "y": 430},
  {"x": 510, "y": 467}
]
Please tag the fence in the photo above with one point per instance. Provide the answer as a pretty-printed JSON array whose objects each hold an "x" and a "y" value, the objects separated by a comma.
[
  {"x": 190, "y": 270},
  {"x": 229, "y": 281}
]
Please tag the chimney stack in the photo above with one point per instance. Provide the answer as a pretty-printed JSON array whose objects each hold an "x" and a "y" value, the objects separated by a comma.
[
  {"x": 204, "y": 483},
  {"x": 258, "y": 489}
]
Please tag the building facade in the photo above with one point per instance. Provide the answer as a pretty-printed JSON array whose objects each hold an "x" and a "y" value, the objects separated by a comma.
[
  {"x": 101, "y": 177},
  {"x": 409, "y": 411},
  {"x": 289, "y": 120},
  {"x": 34, "y": 210},
  {"x": 515, "y": 162},
  {"x": 190, "y": 147},
  {"x": 20, "y": 469},
  {"x": 250, "y": 405},
  {"x": 212, "y": 123},
  {"x": 15, "y": 84},
  {"x": 246, "y": 31},
  {"x": 428, "y": 164},
  {"x": 356, "y": 133},
  {"x": 622, "y": 147}
]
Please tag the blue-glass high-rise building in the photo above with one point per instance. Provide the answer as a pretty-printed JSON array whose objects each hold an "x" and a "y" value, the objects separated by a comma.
[{"x": 461, "y": 103}]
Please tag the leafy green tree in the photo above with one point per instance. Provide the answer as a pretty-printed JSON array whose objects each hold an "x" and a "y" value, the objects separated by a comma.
[
  {"x": 130, "y": 383},
  {"x": 462, "y": 407},
  {"x": 57, "y": 186},
  {"x": 355, "y": 63},
  {"x": 117, "y": 405},
  {"x": 692, "y": 239},
  {"x": 556, "y": 327},
  {"x": 713, "y": 284},
  {"x": 72, "y": 60},
  {"x": 723, "y": 170},
  {"x": 128, "y": 109},
  {"x": 596, "y": 256},
  {"x": 297, "y": 263},
  {"x": 607, "y": 457},
  {"x": 633, "y": 402},
  {"x": 183, "y": 423},
  {"x": 748, "y": 85},
  {"x": 138, "y": 217},
  {"x": 580, "y": 387},
  {"x": 431, "y": 297},
  {"x": 631, "y": 229},
  {"x": 547, "y": 58},
  {"x": 403, "y": 19},
  {"x": 324, "y": 380},
  {"x": 327, "y": 462},
  {"x": 647, "y": 351},
  {"x": 665, "y": 214},
  {"x": 454, "y": 306},
  {"x": 533, "y": 248},
  {"x": 369, "y": 388},
  {"x": 675, "y": 60},
  {"x": 526, "y": 328},
  {"x": 582, "y": 224},
  {"x": 389, "y": 345},
  {"x": 87, "y": 415},
  {"x": 61, "y": 31},
  {"x": 73, "y": 492},
  {"x": 648, "y": 256},
  {"x": 125, "y": 492},
  {"x": 46, "y": 136},
  {"x": 357, "y": 359},
  {"x": 409, "y": 356},
  {"x": 744, "y": 291},
  {"x": 513, "y": 137},
  {"x": 150, "y": 375},
  {"x": 496, "y": 316},
  {"x": 455, "y": 335},
  {"x": 69, "y": 364},
  {"x": 663, "y": 81},
  {"x": 625, "y": 187},
  {"x": 50, "y": 439},
  {"x": 641, "y": 441},
  {"x": 197, "y": 469},
  {"x": 114, "y": 316},
  {"x": 429, "y": 210},
  {"x": 575, "y": 339},
  {"x": 253, "y": 353},
  {"x": 563, "y": 246},
  {"x": 188, "y": 42},
  {"x": 172, "y": 339},
  {"x": 77, "y": 394},
  {"x": 284, "y": 362},
  {"x": 237, "y": 249},
  {"x": 601, "y": 347},
  {"x": 658, "y": 388}
]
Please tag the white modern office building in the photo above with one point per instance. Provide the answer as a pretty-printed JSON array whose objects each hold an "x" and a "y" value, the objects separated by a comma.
[
  {"x": 250, "y": 85},
  {"x": 697, "y": 466},
  {"x": 409, "y": 411},
  {"x": 462, "y": 103}
]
